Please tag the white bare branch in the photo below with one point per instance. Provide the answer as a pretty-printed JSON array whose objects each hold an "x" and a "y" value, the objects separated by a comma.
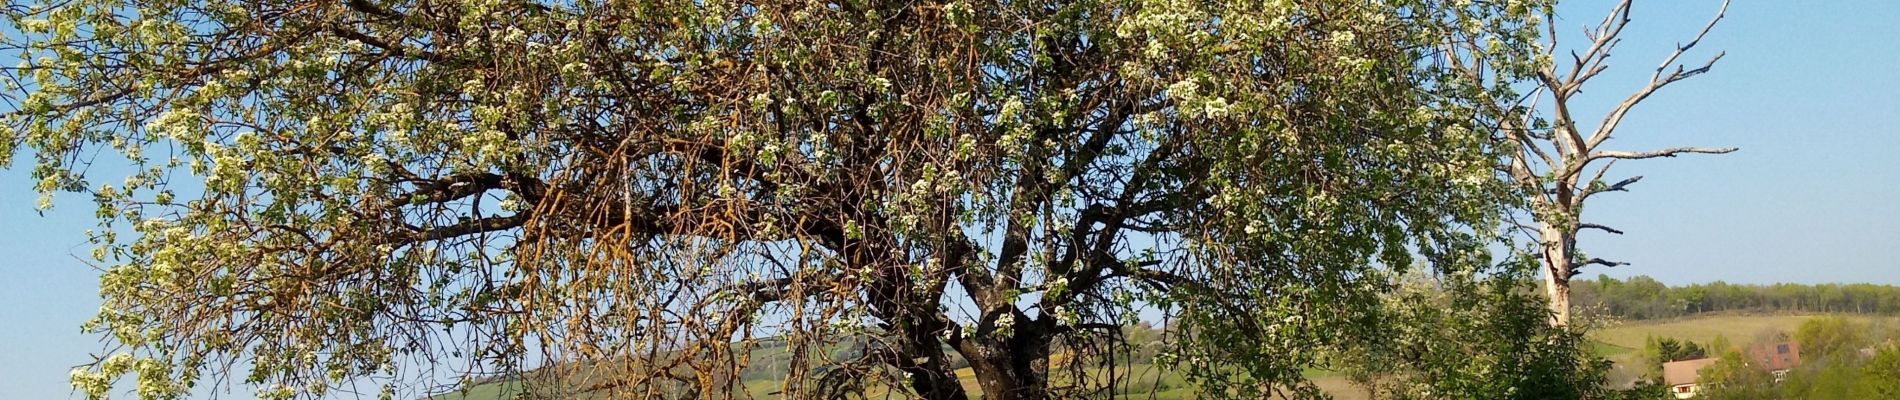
[
  {"x": 1658, "y": 81},
  {"x": 1602, "y": 41},
  {"x": 1681, "y": 48},
  {"x": 1669, "y": 152}
]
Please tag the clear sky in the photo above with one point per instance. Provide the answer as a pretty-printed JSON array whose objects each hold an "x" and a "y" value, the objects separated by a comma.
[
  {"x": 1808, "y": 90},
  {"x": 1810, "y": 94}
]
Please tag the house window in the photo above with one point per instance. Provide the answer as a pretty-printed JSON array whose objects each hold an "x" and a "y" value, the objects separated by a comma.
[{"x": 1782, "y": 348}]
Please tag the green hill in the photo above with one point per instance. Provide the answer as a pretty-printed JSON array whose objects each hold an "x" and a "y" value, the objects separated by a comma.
[
  {"x": 1621, "y": 343},
  {"x": 1739, "y": 328}
]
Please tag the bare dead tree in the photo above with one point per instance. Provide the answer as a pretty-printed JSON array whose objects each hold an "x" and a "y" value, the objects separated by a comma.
[{"x": 1562, "y": 164}]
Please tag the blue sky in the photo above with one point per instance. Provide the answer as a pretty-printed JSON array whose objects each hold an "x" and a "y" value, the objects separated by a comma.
[{"x": 1808, "y": 91}]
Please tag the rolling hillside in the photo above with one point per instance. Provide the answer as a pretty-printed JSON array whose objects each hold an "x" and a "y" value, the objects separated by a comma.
[
  {"x": 1621, "y": 343},
  {"x": 1739, "y": 328}
]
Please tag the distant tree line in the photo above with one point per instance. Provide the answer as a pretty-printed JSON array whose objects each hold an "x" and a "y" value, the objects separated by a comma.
[{"x": 1642, "y": 297}]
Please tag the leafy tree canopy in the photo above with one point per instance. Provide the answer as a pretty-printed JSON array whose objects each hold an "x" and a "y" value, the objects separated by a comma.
[
  {"x": 322, "y": 192},
  {"x": 1733, "y": 377},
  {"x": 1883, "y": 371},
  {"x": 1830, "y": 336},
  {"x": 1470, "y": 336}
]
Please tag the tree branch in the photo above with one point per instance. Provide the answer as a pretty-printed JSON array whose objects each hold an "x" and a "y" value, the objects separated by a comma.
[
  {"x": 1678, "y": 75},
  {"x": 394, "y": 49},
  {"x": 763, "y": 291},
  {"x": 452, "y": 188},
  {"x": 366, "y": 7},
  {"x": 1619, "y": 186},
  {"x": 469, "y": 227},
  {"x": 1577, "y": 268},
  {"x": 1669, "y": 152},
  {"x": 1657, "y": 80},
  {"x": 1587, "y": 225}
]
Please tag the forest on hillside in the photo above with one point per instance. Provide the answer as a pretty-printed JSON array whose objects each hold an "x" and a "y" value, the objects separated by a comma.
[{"x": 1643, "y": 297}]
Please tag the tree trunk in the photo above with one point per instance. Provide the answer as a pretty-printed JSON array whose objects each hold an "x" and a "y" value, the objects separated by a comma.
[
  {"x": 1012, "y": 365},
  {"x": 931, "y": 376},
  {"x": 1557, "y": 273},
  {"x": 1007, "y": 378},
  {"x": 915, "y": 323},
  {"x": 1012, "y": 371},
  {"x": 936, "y": 385}
]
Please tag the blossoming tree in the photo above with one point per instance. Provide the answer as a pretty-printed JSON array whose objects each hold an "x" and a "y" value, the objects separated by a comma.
[{"x": 327, "y": 192}]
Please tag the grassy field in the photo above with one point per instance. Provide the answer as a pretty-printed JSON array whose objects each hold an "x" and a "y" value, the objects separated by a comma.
[
  {"x": 1621, "y": 343},
  {"x": 1740, "y": 329}
]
